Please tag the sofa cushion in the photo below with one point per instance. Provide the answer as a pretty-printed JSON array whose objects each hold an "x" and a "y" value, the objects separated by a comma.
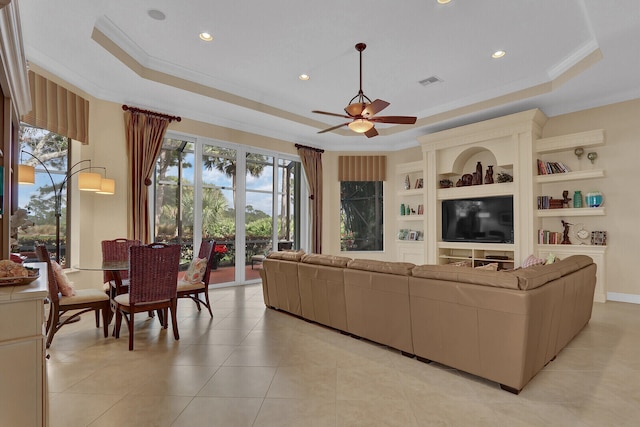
[
  {"x": 400, "y": 268},
  {"x": 287, "y": 255},
  {"x": 329, "y": 260},
  {"x": 498, "y": 279}
]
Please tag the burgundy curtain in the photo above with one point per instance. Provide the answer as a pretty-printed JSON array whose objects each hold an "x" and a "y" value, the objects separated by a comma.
[
  {"x": 312, "y": 164},
  {"x": 145, "y": 131}
]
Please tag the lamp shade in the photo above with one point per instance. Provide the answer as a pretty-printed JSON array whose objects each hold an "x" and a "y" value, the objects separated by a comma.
[
  {"x": 26, "y": 174},
  {"x": 360, "y": 125},
  {"x": 107, "y": 186},
  {"x": 89, "y": 181}
]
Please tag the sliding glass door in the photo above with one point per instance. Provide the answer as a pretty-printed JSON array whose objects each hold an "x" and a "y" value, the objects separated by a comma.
[{"x": 247, "y": 200}]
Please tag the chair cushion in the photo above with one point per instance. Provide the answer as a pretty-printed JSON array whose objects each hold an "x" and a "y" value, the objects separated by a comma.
[
  {"x": 64, "y": 285},
  {"x": 123, "y": 299},
  {"x": 183, "y": 285},
  {"x": 195, "y": 272},
  {"x": 84, "y": 296}
]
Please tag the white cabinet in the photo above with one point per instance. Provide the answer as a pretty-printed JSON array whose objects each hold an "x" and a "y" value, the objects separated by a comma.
[
  {"x": 597, "y": 253},
  {"x": 23, "y": 390}
]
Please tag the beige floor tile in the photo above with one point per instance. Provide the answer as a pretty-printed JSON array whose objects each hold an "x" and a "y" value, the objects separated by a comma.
[
  {"x": 239, "y": 382},
  {"x": 304, "y": 382},
  {"x": 143, "y": 411},
  {"x": 378, "y": 412},
  {"x": 75, "y": 410},
  {"x": 252, "y": 355},
  {"x": 175, "y": 380},
  {"x": 297, "y": 412},
  {"x": 204, "y": 355},
  {"x": 219, "y": 412}
]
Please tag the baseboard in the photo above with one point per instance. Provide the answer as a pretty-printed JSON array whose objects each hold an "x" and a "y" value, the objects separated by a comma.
[{"x": 619, "y": 297}]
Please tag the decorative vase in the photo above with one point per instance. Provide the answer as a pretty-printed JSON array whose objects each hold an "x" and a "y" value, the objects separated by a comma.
[
  {"x": 407, "y": 183},
  {"x": 479, "y": 173},
  {"x": 593, "y": 199},
  {"x": 488, "y": 178},
  {"x": 577, "y": 199}
]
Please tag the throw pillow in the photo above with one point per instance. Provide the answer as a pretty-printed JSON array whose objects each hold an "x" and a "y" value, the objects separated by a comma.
[
  {"x": 460, "y": 264},
  {"x": 532, "y": 260},
  {"x": 492, "y": 266},
  {"x": 195, "y": 272},
  {"x": 551, "y": 258},
  {"x": 64, "y": 285}
]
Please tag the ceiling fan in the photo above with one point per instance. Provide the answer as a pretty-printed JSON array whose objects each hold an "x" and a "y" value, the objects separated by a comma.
[{"x": 362, "y": 114}]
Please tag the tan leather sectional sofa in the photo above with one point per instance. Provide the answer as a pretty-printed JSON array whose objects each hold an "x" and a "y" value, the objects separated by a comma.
[{"x": 501, "y": 325}]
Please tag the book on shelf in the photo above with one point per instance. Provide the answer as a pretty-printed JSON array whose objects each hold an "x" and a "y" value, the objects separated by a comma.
[
  {"x": 546, "y": 237},
  {"x": 548, "y": 168},
  {"x": 548, "y": 202}
]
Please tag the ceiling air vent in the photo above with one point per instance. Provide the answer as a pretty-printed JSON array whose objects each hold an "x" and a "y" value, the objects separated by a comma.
[{"x": 430, "y": 80}]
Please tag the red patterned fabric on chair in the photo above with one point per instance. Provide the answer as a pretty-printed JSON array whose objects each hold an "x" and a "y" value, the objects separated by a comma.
[
  {"x": 191, "y": 288},
  {"x": 153, "y": 270}
]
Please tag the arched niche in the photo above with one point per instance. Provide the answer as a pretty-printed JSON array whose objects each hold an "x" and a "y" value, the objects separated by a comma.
[{"x": 462, "y": 159}]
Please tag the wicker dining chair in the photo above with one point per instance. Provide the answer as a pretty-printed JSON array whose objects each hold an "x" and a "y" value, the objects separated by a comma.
[
  {"x": 153, "y": 270},
  {"x": 193, "y": 290},
  {"x": 116, "y": 250},
  {"x": 83, "y": 301}
]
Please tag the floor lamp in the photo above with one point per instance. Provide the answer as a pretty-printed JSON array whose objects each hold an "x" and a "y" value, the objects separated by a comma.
[{"x": 87, "y": 181}]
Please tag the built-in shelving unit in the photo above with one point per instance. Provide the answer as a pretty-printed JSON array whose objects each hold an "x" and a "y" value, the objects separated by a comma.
[
  {"x": 512, "y": 145},
  {"x": 410, "y": 202},
  {"x": 562, "y": 148},
  {"x": 477, "y": 255}
]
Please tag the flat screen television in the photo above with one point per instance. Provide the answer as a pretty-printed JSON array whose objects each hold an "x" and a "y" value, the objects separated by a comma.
[{"x": 482, "y": 220}]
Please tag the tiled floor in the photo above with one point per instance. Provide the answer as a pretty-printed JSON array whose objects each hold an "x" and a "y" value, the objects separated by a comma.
[{"x": 252, "y": 366}]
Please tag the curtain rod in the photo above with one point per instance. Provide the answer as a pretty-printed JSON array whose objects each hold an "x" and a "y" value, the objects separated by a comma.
[
  {"x": 151, "y": 113},
  {"x": 319, "y": 150}
]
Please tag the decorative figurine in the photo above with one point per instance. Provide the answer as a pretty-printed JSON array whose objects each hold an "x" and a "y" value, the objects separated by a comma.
[
  {"x": 565, "y": 233},
  {"x": 504, "y": 177},
  {"x": 565, "y": 199},
  {"x": 488, "y": 178}
]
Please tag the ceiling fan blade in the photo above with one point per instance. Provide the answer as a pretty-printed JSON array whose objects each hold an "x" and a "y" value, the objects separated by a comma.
[
  {"x": 334, "y": 127},
  {"x": 371, "y": 133},
  {"x": 401, "y": 120},
  {"x": 355, "y": 109},
  {"x": 374, "y": 107},
  {"x": 331, "y": 114}
]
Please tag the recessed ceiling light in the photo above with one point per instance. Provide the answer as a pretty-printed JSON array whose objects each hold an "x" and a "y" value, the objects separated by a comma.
[
  {"x": 304, "y": 77},
  {"x": 156, "y": 14},
  {"x": 498, "y": 54},
  {"x": 443, "y": 1},
  {"x": 205, "y": 36}
]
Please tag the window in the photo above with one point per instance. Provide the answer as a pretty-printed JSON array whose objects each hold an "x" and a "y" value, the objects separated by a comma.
[
  {"x": 38, "y": 201},
  {"x": 361, "y": 216}
]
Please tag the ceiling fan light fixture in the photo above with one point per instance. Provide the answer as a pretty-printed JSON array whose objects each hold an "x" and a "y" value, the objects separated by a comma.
[
  {"x": 498, "y": 54},
  {"x": 204, "y": 36},
  {"x": 360, "y": 125}
]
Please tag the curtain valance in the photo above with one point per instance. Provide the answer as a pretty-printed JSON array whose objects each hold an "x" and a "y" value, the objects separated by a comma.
[
  {"x": 57, "y": 109},
  {"x": 362, "y": 168}
]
